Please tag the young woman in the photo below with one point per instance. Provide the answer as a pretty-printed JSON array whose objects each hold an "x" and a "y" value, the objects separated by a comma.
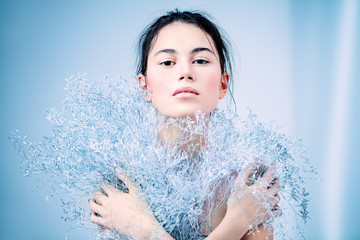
[{"x": 184, "y": 68}]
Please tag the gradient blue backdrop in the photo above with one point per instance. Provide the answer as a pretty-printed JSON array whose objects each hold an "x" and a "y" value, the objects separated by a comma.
[{"x": 297, "y": 63}]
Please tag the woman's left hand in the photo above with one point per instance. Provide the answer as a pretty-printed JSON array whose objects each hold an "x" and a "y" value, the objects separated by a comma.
[{"x": 126, "y": 213}]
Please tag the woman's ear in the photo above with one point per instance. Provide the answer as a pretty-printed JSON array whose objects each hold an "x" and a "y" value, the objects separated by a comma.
[
  {"x": 142, "y": 82},
  {"x": 224, "y": 84},
  {"x": 146, "y": 92}
]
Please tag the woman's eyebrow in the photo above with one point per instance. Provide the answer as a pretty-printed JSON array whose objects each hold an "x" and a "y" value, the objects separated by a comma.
[
  {"x": 195, "y": 50},
  {"x": 200, "y": 49},
  {"x": 166, "y": 50}
]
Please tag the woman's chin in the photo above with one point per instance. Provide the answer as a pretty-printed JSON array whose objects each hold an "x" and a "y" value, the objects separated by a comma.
[
  {"x": 184, "y": 112},
  {"x": 188, "y": 114}
]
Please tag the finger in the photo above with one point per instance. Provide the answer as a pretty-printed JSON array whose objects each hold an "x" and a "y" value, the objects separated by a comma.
[
  {"x": 105, "y": 230},
  {"x": 273, "y": 201},
  {"x": 276, "y": 207},
  {"x": 273, "y": 182},
  {"x": 274, "y": 188},
  {"x": 257, "y": 172},
  {"x": 122, "y": 176},
  {"x": 100, "y": 198},
  {"x": 95, "y": 207},
  {"x": 98, "y": 220},
  {"x": 109, "y": 189},
  {"x": 243, "y": 178},
  {"x": 276, "y": 213},
  {"x": 269, "y": 174}
]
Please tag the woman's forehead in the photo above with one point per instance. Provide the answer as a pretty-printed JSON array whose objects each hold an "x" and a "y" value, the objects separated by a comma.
[{"x": 182, "y": 37}]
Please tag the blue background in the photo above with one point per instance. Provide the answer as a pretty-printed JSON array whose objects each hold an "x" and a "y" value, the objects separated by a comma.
[{"x": 297, "y": 63}]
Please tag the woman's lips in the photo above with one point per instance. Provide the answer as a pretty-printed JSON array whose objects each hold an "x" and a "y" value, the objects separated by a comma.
[{"x": 185, "y": 90}]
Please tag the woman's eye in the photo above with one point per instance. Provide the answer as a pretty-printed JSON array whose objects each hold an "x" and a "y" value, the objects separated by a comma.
[
  {"x": 167, "y": 63},
  {"x": 201, "y": 61}
]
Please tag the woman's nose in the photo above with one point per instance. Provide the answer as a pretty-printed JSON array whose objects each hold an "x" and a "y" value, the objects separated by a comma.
[
  {"x": 186, "y": 73},
  {"x": 188, "y": 76}
]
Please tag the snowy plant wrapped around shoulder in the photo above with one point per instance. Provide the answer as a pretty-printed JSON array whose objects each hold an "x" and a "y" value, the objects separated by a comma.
[{"x": 106, "y": 125}]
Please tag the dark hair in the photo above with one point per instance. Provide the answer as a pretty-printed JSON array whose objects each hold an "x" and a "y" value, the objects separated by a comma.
[{"x": 196, "y": 18}]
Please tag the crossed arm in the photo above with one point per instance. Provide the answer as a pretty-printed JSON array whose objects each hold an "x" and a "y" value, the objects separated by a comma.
[{"x": 129, "y": 213}]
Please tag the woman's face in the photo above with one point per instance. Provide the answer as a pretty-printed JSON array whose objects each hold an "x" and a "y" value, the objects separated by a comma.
[{"x": 183, "y": 71}]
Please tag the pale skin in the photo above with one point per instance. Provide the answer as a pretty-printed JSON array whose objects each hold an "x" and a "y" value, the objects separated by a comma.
[
  {"x": 129, "y": 213},
  {"x": 184, "y": 75}
]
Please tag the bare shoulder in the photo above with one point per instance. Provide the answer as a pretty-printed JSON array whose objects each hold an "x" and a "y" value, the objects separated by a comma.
[{"x": 261, "y": 234}]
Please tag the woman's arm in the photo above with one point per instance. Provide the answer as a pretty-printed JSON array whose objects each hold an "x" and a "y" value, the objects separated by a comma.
[
  {"x": 129, "y": 213},
  {"x": 260, "y": 234},
  {"x": 126, "y": 213},
  {"x": 250, "y": 205}
]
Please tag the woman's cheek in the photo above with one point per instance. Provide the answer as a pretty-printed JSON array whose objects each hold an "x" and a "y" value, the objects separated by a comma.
[
  {"x": 154, "y": 79},
  {"x": 160, "y": 90},
  {"x": 213, "y": 82}
]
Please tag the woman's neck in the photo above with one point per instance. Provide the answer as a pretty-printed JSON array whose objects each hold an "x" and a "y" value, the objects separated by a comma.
[{"x": 182, "y": 133}]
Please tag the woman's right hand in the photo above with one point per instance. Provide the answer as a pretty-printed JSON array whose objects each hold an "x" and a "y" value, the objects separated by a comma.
[
  {"x": 126, "y": 213},
  {"x": 250, "y": 204}
]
